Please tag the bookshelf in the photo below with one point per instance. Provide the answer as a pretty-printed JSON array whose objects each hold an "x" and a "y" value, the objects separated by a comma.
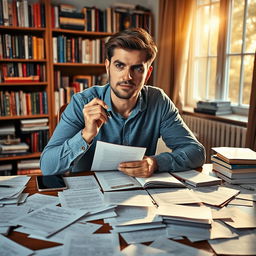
[{"x": 42, "y": 36}]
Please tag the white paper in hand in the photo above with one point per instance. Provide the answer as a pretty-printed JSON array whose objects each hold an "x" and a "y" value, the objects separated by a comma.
[{"x": 107, "y": 156}]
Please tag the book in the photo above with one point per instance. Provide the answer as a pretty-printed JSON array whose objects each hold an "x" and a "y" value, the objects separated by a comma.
[
  {"x": 216, "y": 103},
  {"x": 29, "y": 164},
  {"x": 212, "y": 111},
  {"x": 236, "y": 180},
  {"x": 116, "y": 180},
  {"x": 234, "y": 167},
  {"x": 196, "y": 179},
  {"x": 22, "y": 79},
  {"x": 234, "y": 174},
  {"x": 19, "y": 146},
  {"x": 234, "y": 155}
]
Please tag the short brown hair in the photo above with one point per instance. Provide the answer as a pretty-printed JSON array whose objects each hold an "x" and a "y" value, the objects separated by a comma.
[{"x": 132, "y": 39}]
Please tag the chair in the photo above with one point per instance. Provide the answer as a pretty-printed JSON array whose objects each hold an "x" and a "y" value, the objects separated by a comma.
[{"x": 61, "y": 110}]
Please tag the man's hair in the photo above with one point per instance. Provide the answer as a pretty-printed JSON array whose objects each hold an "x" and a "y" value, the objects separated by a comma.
[{"x": 132, "y": 39}]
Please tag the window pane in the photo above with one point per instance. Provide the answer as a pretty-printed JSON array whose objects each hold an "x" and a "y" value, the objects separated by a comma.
[
  {"x": 202, "y": 31},
  {"x": 200, "y": 2},
  {"x": 200, "y": 78},
  {"x": 250, "y": 41},
  {"x": 234, "y": 77},
  {"x": 212, "y": 78},
  {"x": 248, "y": 69},
  {"x": 214, "y": 29},
  {"x": 237, "y": 26}
]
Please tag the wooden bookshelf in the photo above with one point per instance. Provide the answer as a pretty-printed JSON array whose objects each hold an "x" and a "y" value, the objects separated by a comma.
[{"x": 65, "y": 68}]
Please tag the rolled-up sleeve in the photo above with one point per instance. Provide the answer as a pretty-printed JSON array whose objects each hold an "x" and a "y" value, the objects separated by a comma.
[{"x": 66, "y": 145}]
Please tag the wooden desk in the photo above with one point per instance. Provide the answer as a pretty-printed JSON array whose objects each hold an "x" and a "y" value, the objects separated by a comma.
[{"x": 35, "y": 244}]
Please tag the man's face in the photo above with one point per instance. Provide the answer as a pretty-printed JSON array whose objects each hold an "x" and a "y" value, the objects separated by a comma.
[{"x": 128, "y": 71}]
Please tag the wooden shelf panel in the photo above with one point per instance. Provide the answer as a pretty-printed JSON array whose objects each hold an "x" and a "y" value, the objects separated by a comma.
[
  {"x": 22, "y": 60},
  {"x": 34, "y": 29},
  {"x": 20, "y": 157},
  {"x": 78, "y": 65},
  {"x": 24, "y": 84},
  {"x": 80, "y": 68},
  {"x": 81, "y": 32},
  {"x": 22, "y": 117}
]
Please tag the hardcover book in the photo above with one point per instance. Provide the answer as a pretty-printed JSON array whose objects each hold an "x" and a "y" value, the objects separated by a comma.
[{"x": 233, "y": 155}]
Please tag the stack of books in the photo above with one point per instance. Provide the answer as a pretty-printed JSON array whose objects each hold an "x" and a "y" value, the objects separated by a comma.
[
  {"x": 69, "y": 18},
  {"x": 35, "y": 132},
  {"x": 29, "y": 166},
  {"x": 235, "y": 165},
  {"x": 213, "y": 107}
]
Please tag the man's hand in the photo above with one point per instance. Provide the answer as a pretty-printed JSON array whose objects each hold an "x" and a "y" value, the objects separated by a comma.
[
  {"x": 143, "y": 169},
  {"x": 94, "y": 117}
]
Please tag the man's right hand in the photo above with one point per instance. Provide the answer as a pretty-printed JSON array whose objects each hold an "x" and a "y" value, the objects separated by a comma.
[{"x": 94, "y": 117}]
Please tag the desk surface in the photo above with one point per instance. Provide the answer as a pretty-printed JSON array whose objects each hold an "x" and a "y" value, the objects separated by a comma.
[{"x": 34, "y": 244}]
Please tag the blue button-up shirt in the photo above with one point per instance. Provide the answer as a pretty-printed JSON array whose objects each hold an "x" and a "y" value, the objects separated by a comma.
[{"x": 154, "y": 116}]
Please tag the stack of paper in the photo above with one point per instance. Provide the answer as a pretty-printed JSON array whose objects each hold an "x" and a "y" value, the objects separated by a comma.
[{"x": 186, "y": 215}]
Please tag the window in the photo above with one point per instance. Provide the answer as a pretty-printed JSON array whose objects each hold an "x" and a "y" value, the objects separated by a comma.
[{"x": 222, "y": 52}]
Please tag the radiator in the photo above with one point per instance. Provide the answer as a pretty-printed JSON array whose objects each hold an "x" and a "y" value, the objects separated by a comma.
[{"x": 215, "y": 134}]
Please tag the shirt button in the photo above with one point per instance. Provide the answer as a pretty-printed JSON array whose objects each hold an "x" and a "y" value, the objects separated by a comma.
[{"x": 83, "y": 148}]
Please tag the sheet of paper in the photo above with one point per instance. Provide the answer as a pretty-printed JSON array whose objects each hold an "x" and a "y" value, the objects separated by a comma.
[
  {"x": 91, "y": 200},
  {"x": 240, "y": 219},
  {"x": 74, "y": 229},
  {"x": 142, "y": 236},
  {"x": 165, "y": 196},
  {"x": 243, "y": 245},
  {"x": 216, "y": 195},
  {"x": 97, "y": 244},
  {"x": 132, "y": 214},
  {"x": 107, "y": 213},
  {"x": 141, "y": 249},
  {"x": 11, "y": 248},
  {"x": 37, "y": 201},
  {"x": 8, "y": 213},
  {"x": 49, "y": 220},
  {"x": 175, "y": 248},
  {"x": 53, "y": 251},
  {"x": 107, "y": 156},
  {"x": 137, "y": 227},
  {"x": 81, "y": 182},
  {"x": 116, "y": 180},
  {"x": 133, "y": 197}
]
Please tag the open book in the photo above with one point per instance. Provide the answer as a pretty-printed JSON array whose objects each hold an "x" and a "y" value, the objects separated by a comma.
[{"x": 116, "y": 180}]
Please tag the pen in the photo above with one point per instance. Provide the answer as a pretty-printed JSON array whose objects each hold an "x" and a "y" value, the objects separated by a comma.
[
  {"x": 123, "y": 186},
  {"x": 107, "y": 113},
  {"x": 5, "y": 186}
]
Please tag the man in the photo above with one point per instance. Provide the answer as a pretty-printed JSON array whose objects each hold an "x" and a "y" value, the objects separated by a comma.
[{"x": 125, "y": 111}]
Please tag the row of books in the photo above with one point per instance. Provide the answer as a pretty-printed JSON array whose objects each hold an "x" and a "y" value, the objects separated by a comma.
[
  {"x": 21, "y": 47},
  {"x": 235, "y": 165},
  {"x": 22, "y": 13},
  {"x": 111, "y": 20},
  {"x": 78, "y": 50},
  {"x": 19, "y": 103},
  {"x": 36, "y": 140},
  {"x": 63, "y": 81},
  {"x": 213, "y": 107},
  {"x": 66, "y": 87},
  {"x": 23, "y": 167},
  {"x": 22, "y": 72}
]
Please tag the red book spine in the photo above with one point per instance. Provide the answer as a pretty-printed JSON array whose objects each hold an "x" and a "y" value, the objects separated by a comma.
[{"x": 24, "y": 70}]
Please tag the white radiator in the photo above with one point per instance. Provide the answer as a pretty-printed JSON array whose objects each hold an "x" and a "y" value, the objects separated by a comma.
[{"x": 215, "y": 134}]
